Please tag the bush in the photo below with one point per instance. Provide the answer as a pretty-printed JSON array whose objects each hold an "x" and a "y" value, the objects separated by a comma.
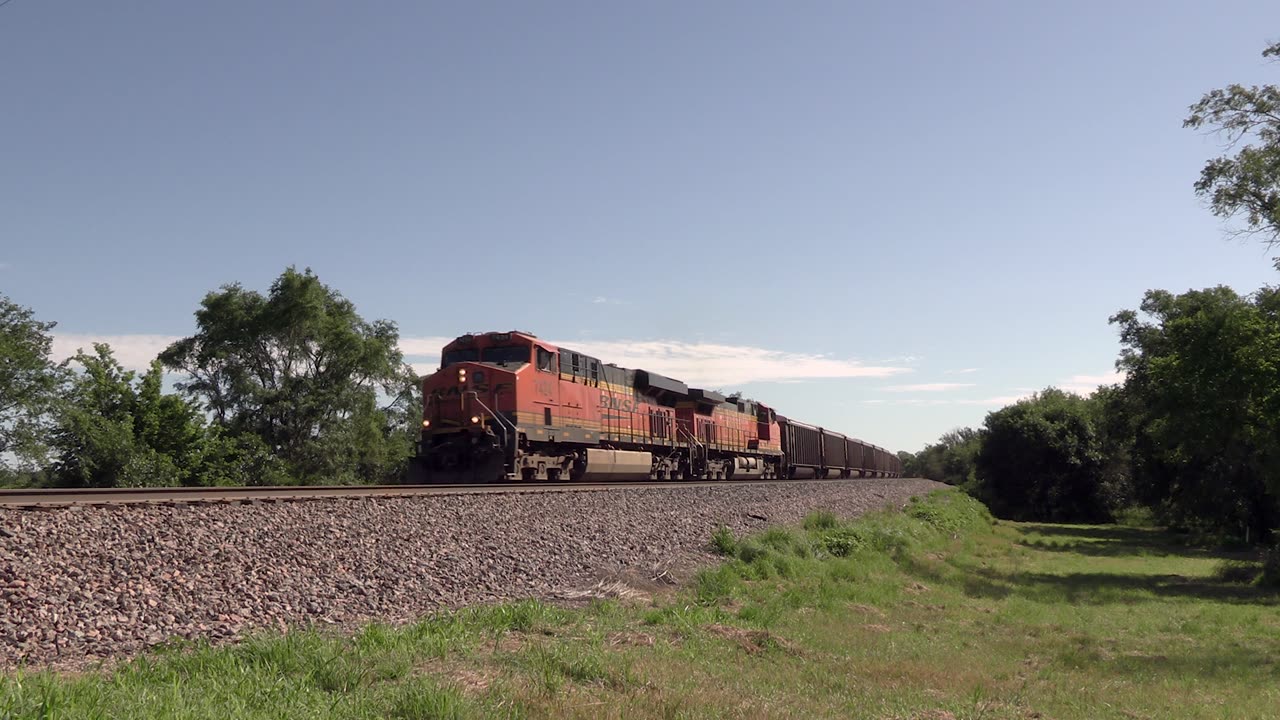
[
  {"x": 1136, "y": 516},
  {"x": 951, "y": 512},
  {"x": 821, "y": 520},
  {"x": 1236, "y": 571},
  {"x": 841, "y": 543},
  {"x": 1270, "y": 576},
  {"x": 723, "y": 542}
]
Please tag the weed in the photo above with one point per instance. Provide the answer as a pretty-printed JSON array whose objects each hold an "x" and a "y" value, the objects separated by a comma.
[
  {"x": 777, "y": 539},
  {"x": 716, "y": 584},
  {"x": 421, "y": 700},
  {"x": 723, "y": 542},
  {"x": 552, "y": 665},
  {"x": 821, "y": 520}
]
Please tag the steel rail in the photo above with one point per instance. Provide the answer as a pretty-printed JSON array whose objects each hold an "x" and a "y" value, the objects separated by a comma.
[{"x": 55, "y": 497}]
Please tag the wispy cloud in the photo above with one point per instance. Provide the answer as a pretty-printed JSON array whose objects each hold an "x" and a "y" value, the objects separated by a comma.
[
  {"x": 602, "y": 300},
  {"x": 964, "y": 371},
  {"x": 1084, "y": 385},
  {"x": 1087, "y": 384},
  {"x": 696, "y": 363},
  {"x": 997, "y": 401},
  {"x": 426, "y": 347},
  {"x": 899, "y": 360},
  {"x": 927, "y": 387},
  {"x": 5, "y": 266},
  {"x": 135, "y": 352}
]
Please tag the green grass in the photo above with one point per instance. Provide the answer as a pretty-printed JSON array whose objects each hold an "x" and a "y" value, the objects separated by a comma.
[{"x": 933, "y": 612}]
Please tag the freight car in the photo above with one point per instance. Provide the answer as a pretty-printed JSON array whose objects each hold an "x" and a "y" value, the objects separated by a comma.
[{"x": 507, "y": 406}]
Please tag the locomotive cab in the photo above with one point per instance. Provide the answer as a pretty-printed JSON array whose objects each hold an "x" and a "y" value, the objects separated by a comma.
[{"x": 469, "y": 408}]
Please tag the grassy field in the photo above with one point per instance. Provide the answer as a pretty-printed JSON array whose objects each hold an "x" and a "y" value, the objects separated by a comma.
[{"x": 936, "y": 613}]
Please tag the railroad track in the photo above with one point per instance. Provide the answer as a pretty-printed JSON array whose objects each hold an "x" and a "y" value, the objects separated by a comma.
[{"x": 46, "y": 497}]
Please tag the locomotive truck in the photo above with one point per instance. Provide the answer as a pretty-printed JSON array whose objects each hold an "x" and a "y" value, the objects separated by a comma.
[{"x": 507, "y": 406}]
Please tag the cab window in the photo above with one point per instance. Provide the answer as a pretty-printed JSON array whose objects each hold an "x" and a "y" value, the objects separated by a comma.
[
  {"x": 546, "y": 360},
  {"x": 506, "y": 355},
  {"x": 457, "y": 356}
]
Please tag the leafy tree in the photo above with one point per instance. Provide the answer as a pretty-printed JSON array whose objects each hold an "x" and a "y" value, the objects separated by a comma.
[
  {"x": 1246, "y": 184},
  {"x": 1041, "y": 459},
  {"x": 239, "y": 460},
  {"x": 1204, "y": 373},
  {"x": 28, "y": 381},
  {"x": 299, "y": 369},
  {"x": 951, "y": 459},
  {"x": 910, "y": 466},
  {"x": 114, "y": 432},
  {"x": 1116, "y": 412}
]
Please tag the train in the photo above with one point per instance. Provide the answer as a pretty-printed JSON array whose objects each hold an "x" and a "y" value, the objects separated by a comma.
[{"x": 510, "y": 407}]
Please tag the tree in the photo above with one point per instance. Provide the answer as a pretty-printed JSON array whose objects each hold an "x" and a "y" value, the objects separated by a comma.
[
  {"x": 28, "y": 381},
  {"x": 1247, "y": 183},
  {"x": 1041, "y": 459},
  {"x": 110, "y": 432},
  {"x": 951, "y": 459},
  {"x": 1204, "y": 373},
  {"x": 910, "y": 466},
  {"x": 1116, "y": 411},
  {"x": 322, "y": 389}
]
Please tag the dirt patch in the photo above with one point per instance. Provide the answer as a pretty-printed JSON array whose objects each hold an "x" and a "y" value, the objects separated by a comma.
[
  {"x": 637, "y": 639},
  {"x": 470, "y": 680},
  {"x": 605, "y": 590},
  {"x": 754, "y": 641},
  {"x": 877, "y": 628},
  {"x": 868, "y": 610}
]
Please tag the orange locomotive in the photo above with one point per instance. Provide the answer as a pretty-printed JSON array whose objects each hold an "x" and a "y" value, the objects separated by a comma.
[{"x": 508, "y": 406}]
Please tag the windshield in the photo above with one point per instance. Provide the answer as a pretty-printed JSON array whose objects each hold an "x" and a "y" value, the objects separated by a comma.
[
  {"x": 504, "y": 355},
  {"x": 457, "y": 356}
]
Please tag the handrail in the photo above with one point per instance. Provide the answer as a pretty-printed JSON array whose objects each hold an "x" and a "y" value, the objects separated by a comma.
[{"x": 502, "y": 421}]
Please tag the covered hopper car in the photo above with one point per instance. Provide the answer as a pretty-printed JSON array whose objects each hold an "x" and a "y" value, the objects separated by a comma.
[{"x": 506, "y": 406}]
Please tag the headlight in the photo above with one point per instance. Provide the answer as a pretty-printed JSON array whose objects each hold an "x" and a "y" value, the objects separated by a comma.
[
  {"x": 475, "y": 419},
  {"x": 426, "y": 423},
  {"x": 462, "y": 375}
]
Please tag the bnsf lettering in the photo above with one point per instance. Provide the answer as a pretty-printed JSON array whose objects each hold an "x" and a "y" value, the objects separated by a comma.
[{"x": 614, "y": 403}]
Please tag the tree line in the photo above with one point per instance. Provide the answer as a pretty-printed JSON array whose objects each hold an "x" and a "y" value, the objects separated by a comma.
[
  {"x": 1192, "y": 434},
  {"x": 287, "y": 387}
]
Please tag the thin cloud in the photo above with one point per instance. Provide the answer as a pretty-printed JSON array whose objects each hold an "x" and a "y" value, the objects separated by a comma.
[
  {"x": 964, "y": 371},
  {"x": 1084, "y": 385},
  {"x": 927, "y": 387},
  {"x": 424, "y": 347},
  {"x": 998, "y": 401},
  {"x": 1088, "y": 384},
  {"x": 900, "y": 360},
  {"x": 696, "y": 363},
  {"x": 5, "y": 266},
  {"x": 134, "y": 352}
]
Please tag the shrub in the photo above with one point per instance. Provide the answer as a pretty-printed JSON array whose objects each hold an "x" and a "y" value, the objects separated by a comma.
[
  {"x": 1270, "y": 576},
  {"x": 821, "y": 520},
  {"x": 723, "y": 542}
]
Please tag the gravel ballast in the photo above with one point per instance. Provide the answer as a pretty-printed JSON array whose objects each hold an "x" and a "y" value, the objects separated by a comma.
[{"x": 109, "y": 581}]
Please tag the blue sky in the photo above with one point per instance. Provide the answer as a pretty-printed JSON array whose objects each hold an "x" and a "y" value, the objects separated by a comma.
[{"x": 836, "y": 207}]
